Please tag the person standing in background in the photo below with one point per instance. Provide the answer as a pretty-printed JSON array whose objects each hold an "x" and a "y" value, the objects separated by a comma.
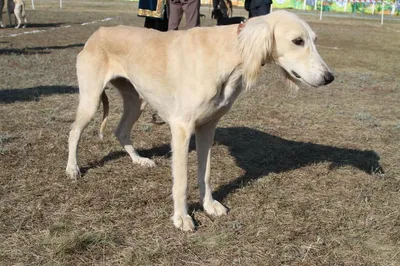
[
  {"x": 155, "y": 14},
  {"x": 258, "y": 7},
  {"x": 191, "y": 9}
]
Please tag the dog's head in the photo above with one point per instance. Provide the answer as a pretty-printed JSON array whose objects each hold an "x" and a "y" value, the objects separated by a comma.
[{"x": 285, "y": 39}]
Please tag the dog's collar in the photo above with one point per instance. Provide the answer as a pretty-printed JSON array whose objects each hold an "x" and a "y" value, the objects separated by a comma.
[{"x": 241, "y": 26}]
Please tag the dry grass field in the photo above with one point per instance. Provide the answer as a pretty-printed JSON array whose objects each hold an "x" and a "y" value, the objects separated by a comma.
[{"x": 311, "y": 178}]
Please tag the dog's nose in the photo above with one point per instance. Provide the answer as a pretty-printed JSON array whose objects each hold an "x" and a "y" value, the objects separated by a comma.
[{"x": 328, "y": 78}]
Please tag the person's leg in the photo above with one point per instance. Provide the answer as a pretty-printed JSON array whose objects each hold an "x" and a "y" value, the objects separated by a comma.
[
  {"x": 253, "y": 12},
  {"x": 175, "y": 14},
  {"x": 225, "y": 9},
  {"x": 162, "y": 24},
  {"x": 149, "y": 23},
  {"x": 264, "y": 9},
  {"x": 268, "y": 7},
  {"x": 192, "y": 13}
]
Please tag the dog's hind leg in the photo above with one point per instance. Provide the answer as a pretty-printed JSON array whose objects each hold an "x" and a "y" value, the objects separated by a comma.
[
  {"x": 204, "y": 140},
  {"x": 23, "y": 14},
  {"x": 86, "y": 110},
  {"x": 17, "y": 13},
  {"x": 133, "y": 107}
]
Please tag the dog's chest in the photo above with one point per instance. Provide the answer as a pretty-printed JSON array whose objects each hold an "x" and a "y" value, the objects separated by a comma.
[{"x": 219, "y": 104}]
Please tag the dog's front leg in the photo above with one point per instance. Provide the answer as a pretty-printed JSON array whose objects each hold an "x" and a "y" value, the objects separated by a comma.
[
  {"x": 181, "y": 133},
  {"x": 204, "y": 140}
]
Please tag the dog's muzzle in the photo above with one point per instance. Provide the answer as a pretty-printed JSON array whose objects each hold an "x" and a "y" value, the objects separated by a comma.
[{"x": 328, "y": 78}]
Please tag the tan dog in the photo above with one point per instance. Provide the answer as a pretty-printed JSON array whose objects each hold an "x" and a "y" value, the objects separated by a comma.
[
  {"x": 192, "y": 79},
  {"x": 17, "y": 7}
]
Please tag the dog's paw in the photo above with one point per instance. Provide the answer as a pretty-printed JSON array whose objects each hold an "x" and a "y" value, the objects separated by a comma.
[
  {"x": 73, "y": 172},
  {"x": 183, "y": 222},
  {"x": 146, "y": 162},
  {"x": 215, "y": 208}
]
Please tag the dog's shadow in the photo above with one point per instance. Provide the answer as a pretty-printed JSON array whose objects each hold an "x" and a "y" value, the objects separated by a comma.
[
  {"x": 37, "y": 50},
  {"x": 45, "y": 25},
  {"x": 259, "y": 153},
  {"x": 33, "y": 93},
  {"x": 163, "y": 150}
]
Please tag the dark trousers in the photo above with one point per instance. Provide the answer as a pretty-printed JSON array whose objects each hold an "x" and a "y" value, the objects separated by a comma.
[
  {"x": 191, "y": 9},
  {"x": 262, "y": 10},
  {"x": 157, "y": 24}
]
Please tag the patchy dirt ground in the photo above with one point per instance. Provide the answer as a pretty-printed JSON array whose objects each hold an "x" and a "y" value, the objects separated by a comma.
[{"x": 302, "y": 174}]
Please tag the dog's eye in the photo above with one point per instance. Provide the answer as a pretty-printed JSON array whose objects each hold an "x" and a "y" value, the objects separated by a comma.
[{"x": 298, "y": 41}]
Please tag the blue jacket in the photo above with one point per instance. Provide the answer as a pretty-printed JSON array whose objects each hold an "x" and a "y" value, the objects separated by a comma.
[{"x": 151, "y": 8}]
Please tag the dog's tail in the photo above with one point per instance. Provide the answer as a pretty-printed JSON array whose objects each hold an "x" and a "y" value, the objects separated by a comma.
[{"x": 104, "y": 100}]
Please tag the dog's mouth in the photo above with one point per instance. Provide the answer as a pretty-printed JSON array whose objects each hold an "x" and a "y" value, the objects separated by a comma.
[
  {"x": 296, "y": 75},
  {"x": 303, "y": 80}
]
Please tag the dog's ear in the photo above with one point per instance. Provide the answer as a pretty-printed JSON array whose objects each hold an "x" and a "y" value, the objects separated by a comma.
[{"x": 255, "y": 45}]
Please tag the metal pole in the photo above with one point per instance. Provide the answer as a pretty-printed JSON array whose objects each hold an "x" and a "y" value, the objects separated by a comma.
[{"x": 320, "y": 13}]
